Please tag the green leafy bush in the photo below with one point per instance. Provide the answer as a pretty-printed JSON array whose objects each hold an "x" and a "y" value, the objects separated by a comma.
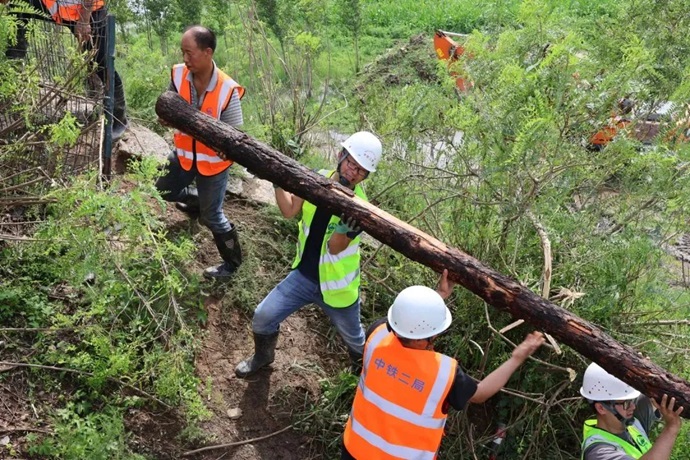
[{"x": 80, "y": 435}]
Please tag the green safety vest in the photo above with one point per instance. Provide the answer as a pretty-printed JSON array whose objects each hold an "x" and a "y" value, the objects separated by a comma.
[
  {"x": 594, "y": 435},
  {"x": 338, "y": 273}
]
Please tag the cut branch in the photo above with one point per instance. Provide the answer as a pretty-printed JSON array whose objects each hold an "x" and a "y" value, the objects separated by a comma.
[
  {"x": 546, "y": 247},
  {"x": 26, "y": 429},
  {"x": 494, "y": 288}
]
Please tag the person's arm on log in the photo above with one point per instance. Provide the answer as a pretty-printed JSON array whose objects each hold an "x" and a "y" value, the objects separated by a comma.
[
  {"x": 288, "y": 203},
  {"x": 493, "y": 382},
  {"x": 346, "y": 230},
  {"x": 663, "y": 446}
]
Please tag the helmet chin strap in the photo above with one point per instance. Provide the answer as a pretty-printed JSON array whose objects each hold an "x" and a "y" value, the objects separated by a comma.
[
  {"x": 625, "y": 421},
  {"x": 342, "y": 180}
]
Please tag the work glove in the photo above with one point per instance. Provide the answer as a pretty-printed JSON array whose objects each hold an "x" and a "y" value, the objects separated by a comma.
[{"x": 347, "y": 225}]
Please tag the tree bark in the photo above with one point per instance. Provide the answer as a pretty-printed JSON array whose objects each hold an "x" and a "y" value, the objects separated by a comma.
[{"x": 494, "y": 288}]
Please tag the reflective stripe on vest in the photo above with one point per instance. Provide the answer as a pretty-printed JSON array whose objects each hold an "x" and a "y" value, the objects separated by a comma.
[
  {"x": 65, "y": 10},
  {"x": 391, "y": 451},
  {"x": 338, "y": 273},
  {"x": 208, "y": 163},
  {"x": 593, "y": 435},
  {"x": 397, "y": 412}
]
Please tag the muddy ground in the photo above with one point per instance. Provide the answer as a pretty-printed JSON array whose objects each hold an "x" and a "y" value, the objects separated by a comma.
[{"x": 306, "y": 353}]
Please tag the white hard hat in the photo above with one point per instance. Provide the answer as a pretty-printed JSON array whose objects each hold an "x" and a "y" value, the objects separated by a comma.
[
  {"x": 365, "y": 148},
  {"x": 419, "y": 312},
  {"x": 599, "y": 385}
]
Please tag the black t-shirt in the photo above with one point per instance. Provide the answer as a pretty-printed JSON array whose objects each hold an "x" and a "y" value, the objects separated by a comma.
[{"x": 309, "y": 264}]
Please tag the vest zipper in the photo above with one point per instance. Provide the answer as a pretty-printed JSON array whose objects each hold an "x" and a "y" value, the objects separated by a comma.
[{"x": 194, "y": 165}]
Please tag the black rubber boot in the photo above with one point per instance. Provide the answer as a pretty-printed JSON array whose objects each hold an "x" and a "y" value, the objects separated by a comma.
[
  {"x": 264, "y": 354},
  {"x": 120, "y": 123},
  {"x": 190, "y": 203},
  {"x": 356, "y": 360},
  {"x": 228, "y": 246}
]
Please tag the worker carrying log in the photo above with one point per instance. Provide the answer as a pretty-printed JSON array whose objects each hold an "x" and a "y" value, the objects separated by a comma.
[
  {"x": 210, "y": 90},
  {"x": 623, "y": 420},
  {"x": 406, "y": 387},
  {"x": 326, "y": 270}
]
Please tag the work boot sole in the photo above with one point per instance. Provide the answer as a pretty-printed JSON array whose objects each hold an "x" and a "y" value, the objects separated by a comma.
[
  {"x": 185, "y": 208},
  {"x": 225, "y": 276},
  {"x": 218, "y": 277},
  {"x": 119, "y": 129}
]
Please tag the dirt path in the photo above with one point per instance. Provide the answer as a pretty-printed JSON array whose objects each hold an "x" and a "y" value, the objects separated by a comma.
[
  {"x": 265, "y": 400},
  {"x": 306, "y": 352}
]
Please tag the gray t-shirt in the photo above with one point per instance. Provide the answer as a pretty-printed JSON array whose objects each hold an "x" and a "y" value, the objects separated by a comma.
[{"x": 645, "y": 416}]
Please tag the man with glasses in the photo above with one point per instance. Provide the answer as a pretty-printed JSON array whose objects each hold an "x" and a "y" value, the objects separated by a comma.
[
  {"x": 326, "y": 270},
  {"x": 623, "y": 419}
]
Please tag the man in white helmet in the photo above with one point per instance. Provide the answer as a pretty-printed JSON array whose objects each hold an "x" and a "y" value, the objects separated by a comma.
[
  {"x": 623, "y": 419},
  {"x": 406, "y": 387},
  {"x": 326, "y": 269}
]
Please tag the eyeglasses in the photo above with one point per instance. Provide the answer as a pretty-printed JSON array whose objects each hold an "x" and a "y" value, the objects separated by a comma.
[
  {"x": 627, "y": 404},
  {"x": 353, "y": 165}
]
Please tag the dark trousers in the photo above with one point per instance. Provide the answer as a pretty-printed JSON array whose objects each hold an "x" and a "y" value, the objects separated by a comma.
[{"x": 345, "y": 455}]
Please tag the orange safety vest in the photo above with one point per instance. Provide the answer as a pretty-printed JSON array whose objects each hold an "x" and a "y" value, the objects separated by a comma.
[
  {"x": 208, "y": 163},
  {"x": 398, "y": 407},
  {"x": 62, "y": 10}
]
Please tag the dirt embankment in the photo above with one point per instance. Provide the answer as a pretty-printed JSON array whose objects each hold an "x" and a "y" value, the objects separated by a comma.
[{"x": 269, "y": 401}]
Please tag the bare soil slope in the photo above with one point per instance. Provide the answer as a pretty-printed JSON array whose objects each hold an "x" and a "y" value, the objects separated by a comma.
[{"x": 268, "y": 402}]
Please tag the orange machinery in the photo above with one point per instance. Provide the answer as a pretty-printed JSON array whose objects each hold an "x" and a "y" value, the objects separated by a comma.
[
  {"x": 645, "y": 127},
  {"x": 449, "y": 50},
  {"x": 605, "y": 135}
]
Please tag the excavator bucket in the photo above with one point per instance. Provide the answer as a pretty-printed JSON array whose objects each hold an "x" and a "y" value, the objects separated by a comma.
[
  {"x": 446, "y": 47},
  {"x": 449, "y": 50}
]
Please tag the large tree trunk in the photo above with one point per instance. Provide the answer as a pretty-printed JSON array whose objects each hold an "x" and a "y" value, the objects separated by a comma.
[{"x": 496, "y": 289}]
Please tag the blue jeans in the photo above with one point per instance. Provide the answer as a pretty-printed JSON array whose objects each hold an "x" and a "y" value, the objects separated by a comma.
[
  {"x": 175, "y": 186},
  {"x": 296, "y": 291}
]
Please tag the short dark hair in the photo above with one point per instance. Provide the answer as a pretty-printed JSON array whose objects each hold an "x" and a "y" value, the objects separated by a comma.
[
  {"x": 404, "y": 341},
  {"x": 408, "y": 342},
  {"x": 203, "y": 36}
]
